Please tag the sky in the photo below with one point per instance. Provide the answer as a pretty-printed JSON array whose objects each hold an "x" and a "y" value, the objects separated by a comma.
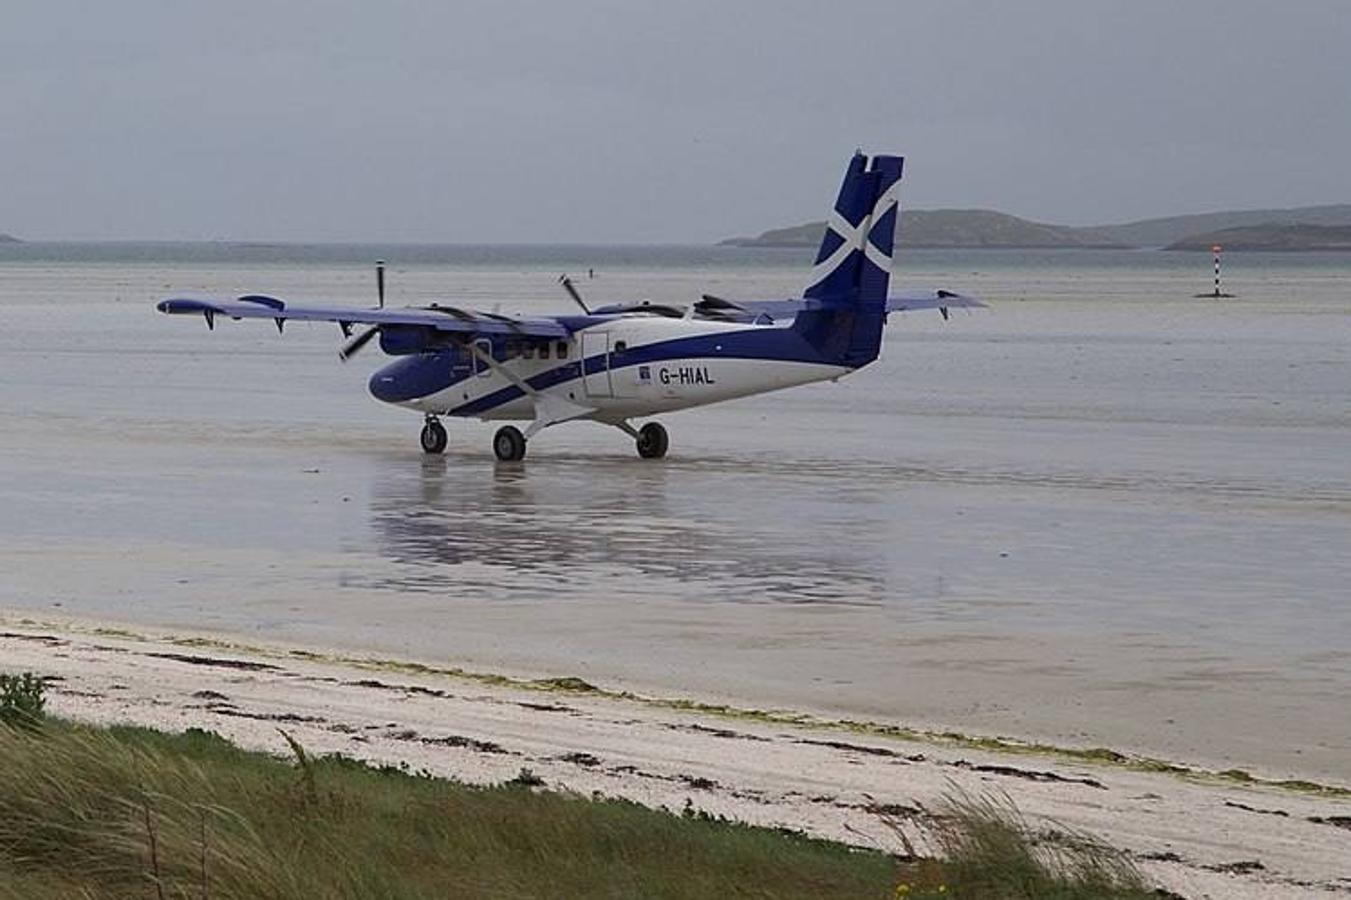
[{"x": 630, "y": 121}]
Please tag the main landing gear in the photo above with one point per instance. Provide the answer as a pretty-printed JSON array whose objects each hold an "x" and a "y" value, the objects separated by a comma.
[
  {"x": 652, "y": 441},
  {"x": 509, "y": 444},
  {"x": 433, "y": 437}
]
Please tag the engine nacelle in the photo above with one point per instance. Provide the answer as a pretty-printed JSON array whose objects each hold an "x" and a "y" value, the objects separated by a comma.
[{"x": 403, "y": 340}]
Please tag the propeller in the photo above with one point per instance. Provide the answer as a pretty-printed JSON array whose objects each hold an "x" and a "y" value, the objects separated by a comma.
[
  {"x": 353, "y": 347},
  {"x": 572, "y": 292},
  {"x": 718, "y": 308},
  {"x": 717, "y": 302}
]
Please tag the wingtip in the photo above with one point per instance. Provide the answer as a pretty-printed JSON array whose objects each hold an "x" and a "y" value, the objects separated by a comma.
[{"x": 181, "y": 305}]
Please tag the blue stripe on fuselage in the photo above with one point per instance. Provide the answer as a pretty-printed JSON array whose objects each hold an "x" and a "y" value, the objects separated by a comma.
[{"x": 420, "y": 376}]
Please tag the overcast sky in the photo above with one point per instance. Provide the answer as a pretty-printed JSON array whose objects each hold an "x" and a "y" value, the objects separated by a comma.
[{"x": 635, "y": 121}]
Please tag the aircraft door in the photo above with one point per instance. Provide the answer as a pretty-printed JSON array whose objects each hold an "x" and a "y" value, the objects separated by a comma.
[
  {"x": 481, "y": 368},
  {"x": 596, "y": 364},
  {"x": 623, "y": 374}
]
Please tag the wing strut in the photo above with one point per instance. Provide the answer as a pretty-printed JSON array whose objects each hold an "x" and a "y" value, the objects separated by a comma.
[{"x": 550, "y": 409}]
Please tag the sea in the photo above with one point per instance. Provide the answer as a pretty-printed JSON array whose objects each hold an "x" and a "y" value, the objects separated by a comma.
[{"x": 1103, "y": 511}]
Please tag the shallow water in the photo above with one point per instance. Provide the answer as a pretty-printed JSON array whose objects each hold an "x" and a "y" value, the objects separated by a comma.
[{"x": 1101, "y": 511}]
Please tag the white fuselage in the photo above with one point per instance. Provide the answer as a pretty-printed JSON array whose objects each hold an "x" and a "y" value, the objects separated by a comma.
[{"x": 630, "y": 367}]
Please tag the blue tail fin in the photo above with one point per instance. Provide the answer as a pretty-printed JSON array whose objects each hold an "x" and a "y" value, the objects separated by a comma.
[{"x": 853, "y": 266}]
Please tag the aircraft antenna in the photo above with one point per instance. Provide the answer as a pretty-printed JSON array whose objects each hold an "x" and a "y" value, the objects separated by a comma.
[{"x": 380, "y": 281}]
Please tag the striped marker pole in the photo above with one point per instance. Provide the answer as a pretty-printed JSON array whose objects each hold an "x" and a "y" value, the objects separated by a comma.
[{"x": 1216, "y": 249}]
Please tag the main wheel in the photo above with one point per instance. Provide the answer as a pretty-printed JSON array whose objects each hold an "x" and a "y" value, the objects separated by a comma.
[
  {"x": 433, "y": 437},
  {"x": 652, "y": 441},
  {"x": 509, "y": 443}
]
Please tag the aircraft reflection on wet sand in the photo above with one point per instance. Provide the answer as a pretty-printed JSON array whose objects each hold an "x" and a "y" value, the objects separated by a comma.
[{"x": 553, "y": 530}]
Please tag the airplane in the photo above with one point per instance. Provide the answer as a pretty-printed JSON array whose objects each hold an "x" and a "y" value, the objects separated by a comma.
[{"x": 625, "y": 361}]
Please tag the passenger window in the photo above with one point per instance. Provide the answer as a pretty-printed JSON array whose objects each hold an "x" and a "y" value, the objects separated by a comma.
[
  {"x": 543, "y": 351},
  {"x": 562, "y": 348},
  {"x": 621, "y": 346},
  {"x": 527, "y": 351}
]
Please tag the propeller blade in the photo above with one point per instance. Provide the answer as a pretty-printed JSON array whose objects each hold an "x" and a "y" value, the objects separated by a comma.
[
  {"x": 572, "y": 292},
  {"x": 352, "y": 347},
  {"x": 717, "y": 302}
]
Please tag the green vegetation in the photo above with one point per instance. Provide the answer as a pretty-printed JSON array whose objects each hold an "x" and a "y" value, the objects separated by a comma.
[
  {"x": 131, "y": 812},
  {"x": 990, "y": 852},
  {"x": 21, "y": 702},
  {"x": 128, "y": 812}
]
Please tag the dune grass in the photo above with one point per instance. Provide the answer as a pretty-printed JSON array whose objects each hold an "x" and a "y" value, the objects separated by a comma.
[
  {"x": 128, "y": 812},
  {"x": 989, "y": 851},
  {"x": 131, "y": 812}
]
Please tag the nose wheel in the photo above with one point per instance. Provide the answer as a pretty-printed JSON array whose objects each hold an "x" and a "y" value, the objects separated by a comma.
[
  {"x": 433, "y": 437},
  {"x": 509, "y": 444},
  {"x": 652, "y": 441}
]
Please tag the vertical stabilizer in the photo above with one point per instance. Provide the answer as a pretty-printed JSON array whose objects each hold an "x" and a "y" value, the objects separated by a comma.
[{"x": 853, "y": 266}]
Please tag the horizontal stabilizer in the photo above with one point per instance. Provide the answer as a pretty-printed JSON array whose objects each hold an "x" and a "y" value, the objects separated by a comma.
[
  {"x": 769, "y": 311},
  {"x": 931, "y": 300}
]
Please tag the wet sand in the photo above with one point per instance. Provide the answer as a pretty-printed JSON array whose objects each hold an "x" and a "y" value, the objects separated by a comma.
[{"x": 1102, "y": 517}]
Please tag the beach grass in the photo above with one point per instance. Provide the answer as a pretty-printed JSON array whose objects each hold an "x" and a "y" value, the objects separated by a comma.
[
  {"x": 132, "y": 812},
  {"x": 989, "y": 851},
  {"x": 129, "y": 812}
]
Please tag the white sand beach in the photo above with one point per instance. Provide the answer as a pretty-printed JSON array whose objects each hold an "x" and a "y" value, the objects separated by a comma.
[{"x": 1200, "y": 835}]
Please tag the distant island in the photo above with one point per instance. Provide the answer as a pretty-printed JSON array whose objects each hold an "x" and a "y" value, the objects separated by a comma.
[
  {"x": 9, "y": 239},
  {"x": 1277, "y": 238},
  {"x": 946, "y": 228},
  {"x": 1301, "y": 228}
]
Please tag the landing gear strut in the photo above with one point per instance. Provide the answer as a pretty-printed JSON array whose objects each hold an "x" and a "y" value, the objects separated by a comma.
[
  {"x": 509, "y": 444},
  {"x": 433, "y": 438},
  {"x": 652, "y": 441}
]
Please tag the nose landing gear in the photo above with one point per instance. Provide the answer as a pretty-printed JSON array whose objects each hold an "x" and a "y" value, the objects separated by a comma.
[{"x": 433, "y": 437}]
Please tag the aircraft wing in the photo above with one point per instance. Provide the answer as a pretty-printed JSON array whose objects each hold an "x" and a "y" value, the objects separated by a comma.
[
  {"x": 712, "y": 307},
  {"x": 437, "y": 317}
]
